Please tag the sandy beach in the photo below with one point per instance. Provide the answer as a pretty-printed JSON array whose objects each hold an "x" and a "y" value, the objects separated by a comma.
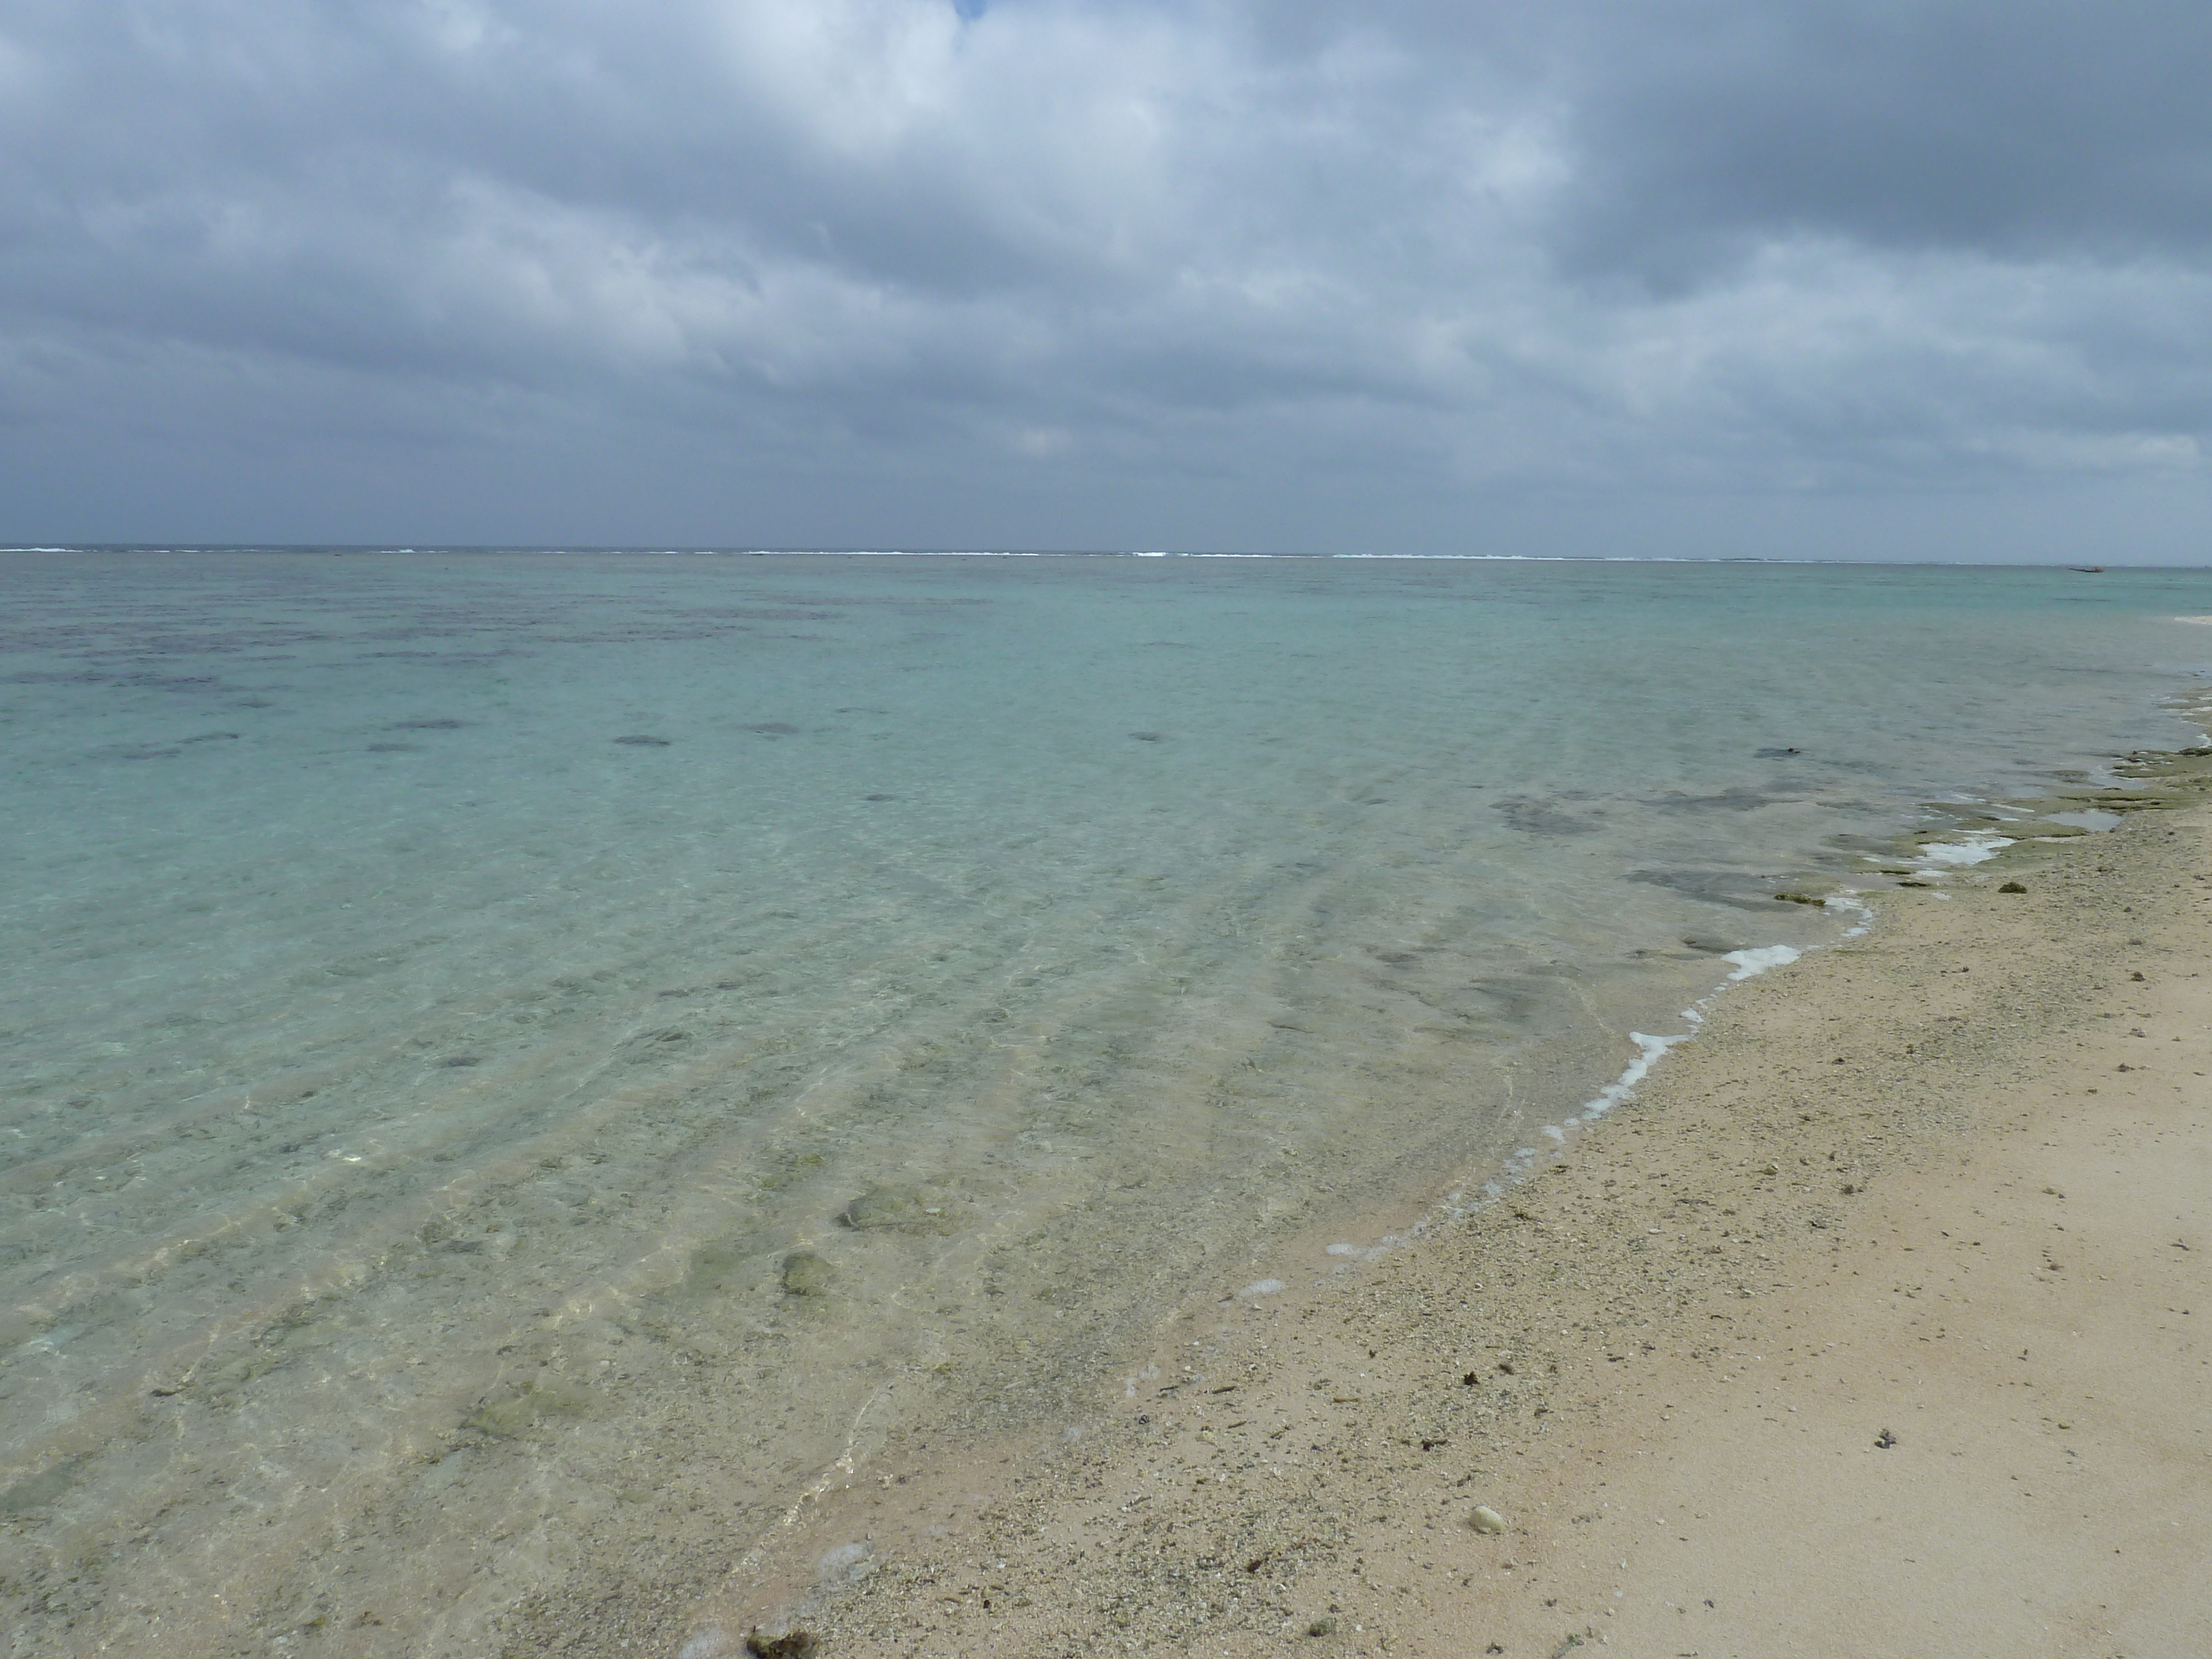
[{"x": 1870, "y": 1324}]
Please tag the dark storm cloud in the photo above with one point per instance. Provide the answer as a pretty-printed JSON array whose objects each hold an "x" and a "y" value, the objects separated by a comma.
[
  {"x": 2031, "y": 128},
  {"x": 1090, "y": 271}
]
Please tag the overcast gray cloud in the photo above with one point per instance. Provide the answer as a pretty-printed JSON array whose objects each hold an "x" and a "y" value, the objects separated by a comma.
[{"x": 1691, "y": 276}]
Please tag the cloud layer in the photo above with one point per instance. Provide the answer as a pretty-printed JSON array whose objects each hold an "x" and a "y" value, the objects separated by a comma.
[{"x": 1694, "y": 276}]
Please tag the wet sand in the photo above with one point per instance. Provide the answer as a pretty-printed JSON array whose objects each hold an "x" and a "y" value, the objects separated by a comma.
[{"x": 1871, "y": 1324}]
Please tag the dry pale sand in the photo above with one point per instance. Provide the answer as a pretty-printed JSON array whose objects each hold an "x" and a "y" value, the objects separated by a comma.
[{"x": 1872, "y": 1326}]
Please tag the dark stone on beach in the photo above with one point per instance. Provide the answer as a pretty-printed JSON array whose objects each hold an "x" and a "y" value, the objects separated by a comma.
[
  {"x": 2011, "y": 887},
  {"x": 1711, "y": 944},
  {"x": 719, "y": 1267},
  {"x": 1515, "y": 999},
  {"x": 1542, "y": 817},
  {"x": 530, "y": 1405},
  {"x": 1744, "y": 892},
  {"x": 912, "y": 1209},
  {"x": 792, "y": 1645},
  {"x": 641, "y": 741},
  {"x": 1796, "y": 898},
  {"x": 1730, "y": 800},
  {"x": 40, "y": 1489},
  {"x": 805, "y": 1273}
]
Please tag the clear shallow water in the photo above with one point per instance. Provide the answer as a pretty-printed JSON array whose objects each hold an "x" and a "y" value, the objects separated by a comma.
[{"x": 429, "y": 1116}]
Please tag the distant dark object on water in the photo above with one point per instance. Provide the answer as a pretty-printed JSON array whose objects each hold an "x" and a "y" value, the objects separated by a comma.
[
  {"x": 1775, "y": 754},
  {"x": 879, "y": 798},
  {"x": 641, "y": 741},
  {"x": 773, "y": 728},
  {"x": 1148, "y": 737},
  {"x": 428, "y": 726},
  {"x": 2087, "y": 570}
]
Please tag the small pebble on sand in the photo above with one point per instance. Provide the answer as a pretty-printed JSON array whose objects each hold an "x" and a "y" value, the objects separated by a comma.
[{"x": 1487, "y": 1519}]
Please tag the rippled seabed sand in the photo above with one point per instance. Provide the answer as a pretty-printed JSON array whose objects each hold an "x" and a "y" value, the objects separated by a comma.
[{"x": 517, "y": 1063}]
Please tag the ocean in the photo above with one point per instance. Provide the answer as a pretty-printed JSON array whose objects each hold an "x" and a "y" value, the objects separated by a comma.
[{"x": 504, "y": 1049}]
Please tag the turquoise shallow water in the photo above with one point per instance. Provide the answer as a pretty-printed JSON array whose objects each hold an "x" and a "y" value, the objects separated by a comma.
[{"x": 508, "y": 1048}]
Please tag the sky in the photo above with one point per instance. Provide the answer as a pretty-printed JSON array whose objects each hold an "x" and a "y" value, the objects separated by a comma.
[{"x": 1741, "y": 279}]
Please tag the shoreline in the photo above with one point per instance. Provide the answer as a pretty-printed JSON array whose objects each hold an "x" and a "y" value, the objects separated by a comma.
[
  {"x": 1302, "y": 1465},
  {"x": 394, "y": 1270}
]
